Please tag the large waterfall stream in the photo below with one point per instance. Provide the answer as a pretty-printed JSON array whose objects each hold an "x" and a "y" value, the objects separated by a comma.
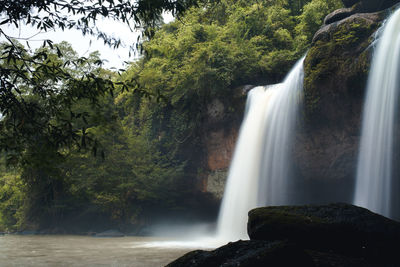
[
  {"x": 258, "y": 174},
  {"x": 374, "y": 172}
]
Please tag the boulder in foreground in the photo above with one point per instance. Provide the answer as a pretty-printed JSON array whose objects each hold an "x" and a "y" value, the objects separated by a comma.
[
  {"x": 247, "y": 254},
  {"x": 342, "y": 228},
  {"x": 328, "y": 235}
]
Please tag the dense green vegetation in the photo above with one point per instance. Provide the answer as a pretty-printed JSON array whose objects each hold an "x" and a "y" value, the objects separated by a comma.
[
  {"x": 138, "y": 144},
  {"x": 33, "y": 70}
]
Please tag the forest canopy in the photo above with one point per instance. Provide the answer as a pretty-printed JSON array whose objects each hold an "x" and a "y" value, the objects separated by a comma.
[{"x": 58, "y": 110}]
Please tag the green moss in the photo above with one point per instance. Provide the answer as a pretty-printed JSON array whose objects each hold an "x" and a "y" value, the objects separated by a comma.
[
  {"x": 342, "y": 54},
  {"x": 351, "y": 35},
  {"x": 283, "y": 214},
  {"x": 277, "y": 223}
]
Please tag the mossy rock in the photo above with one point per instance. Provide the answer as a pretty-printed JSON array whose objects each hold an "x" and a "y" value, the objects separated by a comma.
[
  {"x": 337, "y": 65},
  {"x": 255, "y": 253},
  {"x": 374, "y": 5},
  {"x": 247, "y": 254},
  {"x": 341, "y": 228},
  {"x": 329, "y": 235},
  {"x": 338, "y": 15}
]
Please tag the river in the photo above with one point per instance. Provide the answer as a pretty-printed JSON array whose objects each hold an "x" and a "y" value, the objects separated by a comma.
[{"x": 61, "y": 250}]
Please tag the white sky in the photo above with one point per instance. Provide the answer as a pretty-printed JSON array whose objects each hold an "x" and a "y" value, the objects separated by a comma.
[{"x": 81, "y": 44}]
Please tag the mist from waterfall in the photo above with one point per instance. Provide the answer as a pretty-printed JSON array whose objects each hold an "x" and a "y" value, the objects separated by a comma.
[
  {"x": 374, "y": 171},
  {"x": 259, "y": 171}
]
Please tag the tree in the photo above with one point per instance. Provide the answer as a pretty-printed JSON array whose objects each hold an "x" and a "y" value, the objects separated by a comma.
[
  {"x": 40, "y": 91},
  {"x": 25, "y": 75},
  {"x": 53, "y": 185},
  {"x": 82, "y": 15},
  {"x": 42, "y": 121},
  {"x": 37, "y": 93}
]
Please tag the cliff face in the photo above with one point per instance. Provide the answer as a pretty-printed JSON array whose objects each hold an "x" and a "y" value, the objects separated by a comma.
[
  {"x": 220, "y": 144},
  {"x": 336, "y": 71},
  {"x": 326, "y": 144},
  {"x": 219, "y": 138}
]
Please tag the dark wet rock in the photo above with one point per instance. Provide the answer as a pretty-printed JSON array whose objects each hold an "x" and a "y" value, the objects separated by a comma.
[
  {"x": 86, "y": 233},
  {"x": 53, "y": 231},
  {"x": 329, "y": 235},
  {"x": 255, "y": 253},
  {"x": 368, "y": 6},
  {"x": 28, "y": 232},
  {"x": 363, "y": 20},
  {"x": 365, "y": 6},
  {"x": 247, "y": 254},
  {"x": 341, "y": 228},
  {"x": 349, "y": 3},
  {"x": 361, "y": 6},
  {"x": 243, "y": 90},
  {"x": 338, "y": 14},
  {"x": 110, "y": 233},
  {"x": 330, "y": 259},
  {"x": 336, "y": 72}
]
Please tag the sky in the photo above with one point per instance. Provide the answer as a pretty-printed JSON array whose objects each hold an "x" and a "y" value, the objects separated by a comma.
[{"x": 84, "y": 45}]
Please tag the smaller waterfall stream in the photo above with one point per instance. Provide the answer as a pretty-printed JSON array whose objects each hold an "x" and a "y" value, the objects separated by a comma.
[
  {"x": 258, "y": 174},
  {"x": 374, "y": 171}
]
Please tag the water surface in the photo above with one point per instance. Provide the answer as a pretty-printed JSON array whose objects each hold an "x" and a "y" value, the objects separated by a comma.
[{"x": 60, "y": 250}]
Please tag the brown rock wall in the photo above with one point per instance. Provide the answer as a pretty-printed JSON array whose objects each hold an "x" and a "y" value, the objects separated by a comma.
[{"x": 220, "y": 146}]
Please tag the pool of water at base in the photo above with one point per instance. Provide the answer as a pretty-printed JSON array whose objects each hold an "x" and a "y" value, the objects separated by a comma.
[{"x": 64, "y": 250}]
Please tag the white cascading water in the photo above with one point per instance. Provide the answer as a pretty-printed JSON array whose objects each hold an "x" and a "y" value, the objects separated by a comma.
[
  {"x": 258, "y": 174},
  {"x": 374, "y": 170}
]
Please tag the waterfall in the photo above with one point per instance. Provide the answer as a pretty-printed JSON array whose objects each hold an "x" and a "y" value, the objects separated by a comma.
[
  {"x": 374, "y": 170},
  {"x": 258, "y": 174}
]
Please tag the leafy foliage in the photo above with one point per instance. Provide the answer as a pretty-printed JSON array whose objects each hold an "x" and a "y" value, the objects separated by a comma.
[
  {"x": 40, "y": 75},
  {"x": 54, "y": 184},
  {"x": 209, "y": 53},
  {"x": 46, "y": 15},
  {"x": 38, "y": 94},
  {"x": 11, "y": 199}
]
